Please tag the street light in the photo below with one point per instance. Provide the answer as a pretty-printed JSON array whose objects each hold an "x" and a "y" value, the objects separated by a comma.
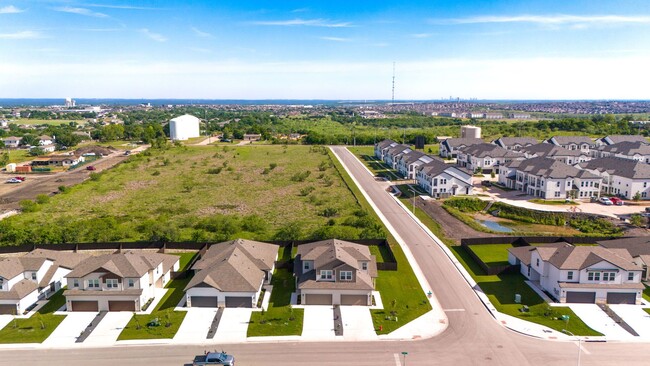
[
  {"x": 579, "y": 347},
  {"x": 405, "y": 354}
]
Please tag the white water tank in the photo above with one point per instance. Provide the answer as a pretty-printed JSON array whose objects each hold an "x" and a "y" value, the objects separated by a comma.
[
  {"x": 184, "y": 127},
  {"x": 11, "y": 168}
]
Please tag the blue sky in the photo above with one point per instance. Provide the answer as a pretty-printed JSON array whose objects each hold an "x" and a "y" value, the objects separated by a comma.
[{"x": 325, "y": 50}]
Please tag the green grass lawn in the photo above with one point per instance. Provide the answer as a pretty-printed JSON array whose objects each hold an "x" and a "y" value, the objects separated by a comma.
[
  {"x": 492, "y": 254},
  {"x": 280, "y": 319},
  {"x": 366, "y": 154},
  {"x": 185, "y": 260},
  {"x": 38, "y": 327},
  {"x": 35, "y": 121},
  {"x": 169, "y": 319},
  {"x": 19, "y": 156},
  {"x": 646, "y": 293}
]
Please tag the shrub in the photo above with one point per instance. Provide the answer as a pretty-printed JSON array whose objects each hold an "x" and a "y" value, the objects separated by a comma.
[
  {"x": 95, "y": 176},
  {"x": 301, "y": 176},
  {"x": 253, "y": 223},
  {"x": 638, "y": 220},
  {"x": 306, "y": 191},
  {"x": 156, "y": 173},
  {"x": 266, "y": 171},
  {"x": 63, "y": 189},
  {"x": 214, "y": 170},
  {"x": 42, "y": 199},
  {"x": 597, "y": 225},
  {"x": 28, "y": 206},
  {"x": 329, "y": 212},
  {"x": 466, "y": 204},
  {"x": 273, "y": 166}
]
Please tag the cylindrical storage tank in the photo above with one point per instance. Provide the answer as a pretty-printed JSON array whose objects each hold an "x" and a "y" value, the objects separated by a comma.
[
  {"x": 11, "y": 168},
  {"x": 184, "y": 127}
]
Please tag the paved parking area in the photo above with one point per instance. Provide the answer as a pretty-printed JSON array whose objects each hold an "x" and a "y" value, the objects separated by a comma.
[
  {"x": 196, "y": 325},
  {"x": 70, "y": 328},
  {"x": 109, "y": 328},
  {"x": 318, "y": 322},
  {"x": 597, "y": 320},
  {"x": 357, "y": 323},
  {"x": 635, "y": 317},
  {"x": 233, "y": 325}
]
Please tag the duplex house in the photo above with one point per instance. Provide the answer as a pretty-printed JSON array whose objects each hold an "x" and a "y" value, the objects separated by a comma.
[
  {"x": 486, "y": 157},
  {"x": 394, "y": 152},
  {"x": 633, "y": 150},
  {"x": 449, "y": 147},
  {"x": 559, "y": 153},
  {"x": 583, "y": 143},
  {"x": 231, "y": 274},
  {"x": 407, "y": 163},
  {"x": 36, "y": 275},
  {"x": 335, "y": 272},
  {"x": 514, "y": 143},
  {"x": 549, "y": 179},
  {"x": 382, "y": 146},
  {"x": 582, "y": 274},
  {"x": 439, "y": 179},
  {"x": 12, "y": 141},
  {"x": 639, "y": 249},
  {"x": 118, "y": 282},
  {"x": 621, "y": 177}
]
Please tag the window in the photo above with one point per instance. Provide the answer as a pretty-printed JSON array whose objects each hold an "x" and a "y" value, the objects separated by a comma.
[
  {"x": 645, "y": 184},
  {"x": 131, "y": 282},
  {"x": 537, "y": 262},
  {"x": 326, "y": 274},
  {"x": 306, "y": 265},
  {"x": 443, "y": 181},
  {"x": 558, "y": 184},
  {"x": 569, "y": 275},
  {"x": 630, "y": 276},
  {"x": 93, "y": 283},
  {"x": 557, "y": 194},
  {"x": 593, "y": 276},
  {"x": 435, "y": 182},
  {"x": 75, "y": 283},
  {"x": 568, "y": 183},
  {"x": 345, "y": 275},
  {"x": 33, "y": 276},
  {"x": 609, "y": 276},
  {"x": 364, "y": 266},
  {"x": 111, "y": 283}
]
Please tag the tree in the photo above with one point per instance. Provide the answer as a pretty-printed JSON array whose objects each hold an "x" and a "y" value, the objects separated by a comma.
[
  {"x": 4, "y": 159},
  {"x": 29, "y": 140},
  {"x": 637, "y": 196},
  {"x": 36, "y": 151},
  {"x": 637, "y": 220}
]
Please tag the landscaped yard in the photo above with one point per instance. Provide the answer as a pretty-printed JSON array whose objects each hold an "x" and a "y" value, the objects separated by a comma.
[
  {"x": 38, "y": 327},
  {"x": 492, "y": 254},
  {"x": 185, "y": 260},
  {"x": 169, "y": 319},
  {"x": 366, "y": 155}
]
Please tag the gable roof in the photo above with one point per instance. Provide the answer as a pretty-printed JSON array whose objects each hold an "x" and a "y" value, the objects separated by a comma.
[
  {"x": 628, "y": 148},
  {"x": 511, "y": 141},
  {"x": 524, "y": 253},
  {"x": 484, "y": 149},
  {"x": 615, "y": 139},
  {"x": 262, "y": 254},
  {"x": 581, "y": 257},
  {"x": 627, "y": 168},
  {"x": 565, "y": 140},
  {"x": 549, "y": 168},
  {"x": 457, "y": 142},
  {"x": 385, "y": 143},
  {"x": 64, "y": 259},
  {"x": 635, "y": 246},
  {"x": 19, "y": 290},
  {"x": 130, "y": 264},
  {"x": 549, "y": 150},
  {"x": 326, "y": 251}
]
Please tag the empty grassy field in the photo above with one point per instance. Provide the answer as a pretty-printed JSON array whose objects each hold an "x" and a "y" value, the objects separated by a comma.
[
  {"x": 34, "y": 121},
  {"x": 201, "y": 193}
]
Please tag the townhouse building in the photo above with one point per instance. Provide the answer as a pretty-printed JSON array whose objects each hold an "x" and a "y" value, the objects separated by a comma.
[
  {"x": 442, "y": 180},
  {"x": 449, "y": 147},
  {"x": 633, "y": 150},
  {"x": 622, "y": 177},
  {"x": 485, "y": 157}
]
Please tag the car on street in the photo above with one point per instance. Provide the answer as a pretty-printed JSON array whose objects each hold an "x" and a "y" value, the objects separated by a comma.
[
  {"x": 617, "y": 201},
  {"x": 214, "y": 358},
  {"x": 605, "y": 201},
  {"x": 14, "y": 180},
  {"x": 90, "y": 167},
  {"x": 127, "y": 153},
  {"x": 22, "y": 179},
  {"x": 486, "y": 183}
]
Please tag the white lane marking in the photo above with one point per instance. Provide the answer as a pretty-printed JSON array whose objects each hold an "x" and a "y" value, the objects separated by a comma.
[
  {"x": 582, "y": 347},
  {"x": 397, "y": 361},
  {"x": 450, "y": 310}
]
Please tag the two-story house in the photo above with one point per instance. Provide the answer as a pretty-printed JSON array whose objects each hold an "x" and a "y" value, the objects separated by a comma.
[
  {"x": 118, "y": 282},
  {"x": 616, "y": 139},
  {"x": 639, "y": 249},
  {"x": 581, "y": 274},
  {"x": 546, "y": 150},
  {"x": 394, "y": 152},
  {"x": 12, "y": 141},
  {"x": 583, "y": 143},
  {"x": 549, "y": 179},
  {"x": 633, "y": 150},
  {"x": 335, "y": 272},
  {"x": 231, "y": 274},
  {"x": 45, "y": 140},
  {"x": 382, "y": 146},
  {"x": 486, "y": 157},
  {"x": 515, "y": 143},
  {"x": 407, "y": 164},
  {"x": 622, "y": 177},
  {"x": 439, "y": 179},
  {"x": 449, "y": 147}
]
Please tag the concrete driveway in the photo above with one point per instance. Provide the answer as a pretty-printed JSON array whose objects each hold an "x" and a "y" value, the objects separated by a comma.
[
  {"x": 318, "y": 322},
  {"x": 109, "y": 328},
  {"x": 70, "y": 328},
  {"x": 635, "y": 316},
  {"x": 4, "y": 320},
  {"x": 597, "y": 320},
  {"x": 357, "y": 323},
  {"x": 195, "y": 326},
  {"x": 233, "y": 325}
]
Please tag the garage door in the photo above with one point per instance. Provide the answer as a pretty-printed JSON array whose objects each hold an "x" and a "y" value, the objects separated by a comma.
[
  {"x": 354, "y": 300},
  {"x": 621, "y": 298},
  {"x": 8, "y": 309},
  {"x": 314, "y": 299},
  {"x": 239, "y": 302},
  {"x": 85, "y": 306},
  {"x": 581, "y": 297},
  {"x": 204, "y": 301},
  {"x": 121, "y": 305}
]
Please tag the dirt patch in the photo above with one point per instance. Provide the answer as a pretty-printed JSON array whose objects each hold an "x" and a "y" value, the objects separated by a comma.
[
  {"x": 453, "y": 228},
  {"x": 108, "y": 197}
]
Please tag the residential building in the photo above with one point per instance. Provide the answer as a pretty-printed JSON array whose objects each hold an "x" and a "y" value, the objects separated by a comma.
[
  {"x": 616, "y": 139},
  {"x": 118, "y": 282},
  {"x": 549, "y": 179},
  {"x": 45, "y": 140},
  {"x": 36, "y": 275},
  {"x": 492, "y": 115},
  {"x": 639, "y": 249},
  {"x": 622, "y": 177},
  {"x": 449, "y": 147},
  {"x": 634, "y": 150},
  {"x": 515, "y": 143},
  {"x": 582, "y": 143},
  {"x": 407, "y": 163},
  {"x": 470, "y": 132},
  {"x": 442, "y": 180},
  {"x": 546, "y": 150},
  {"x": 335, "y": 272},
  {"x": 12, "y": 141},
  {"x": 58, "y": 160},
  {"x": 581, "y": 274},
  {"x": 486, "y": 157},
  {"x": 46, "y": 148},
  {"x": 231, "y": 274},
  {"x": 519, "y": 116},
  {"x": 382, "y": 146},
  {"x": 394, "y": 152},
  {"x": 252, "y": 137}
]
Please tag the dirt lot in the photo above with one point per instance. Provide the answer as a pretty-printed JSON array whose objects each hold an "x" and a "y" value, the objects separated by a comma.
[
  {"x": 35, "y": 184},
  {"x": 454, "y": 229}
]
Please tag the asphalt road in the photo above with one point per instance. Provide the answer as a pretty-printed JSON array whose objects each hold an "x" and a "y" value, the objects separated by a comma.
[{"x": 472, "y": 338}]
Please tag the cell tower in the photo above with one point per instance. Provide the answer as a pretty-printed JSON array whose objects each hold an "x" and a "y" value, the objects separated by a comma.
[{"x": 393, "y": 97}]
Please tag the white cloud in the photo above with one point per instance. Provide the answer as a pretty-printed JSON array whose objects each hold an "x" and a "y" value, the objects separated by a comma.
[
  {"x": 10, "y": 9},
  {"x": 560, "y": 19},
  {"x": 154, "y": 36},
  {"x": 336, "y": 39},
  {"x": 21, "y": 35},
  {"x": 200, "y": 33},
  {"x": 304, "y": 22},
  {"x": 80, "y": 11}
]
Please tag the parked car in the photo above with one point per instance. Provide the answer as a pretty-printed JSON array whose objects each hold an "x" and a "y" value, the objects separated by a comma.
[
  {"x": 605, "y": 201},
  {"x": 617, "y": 201},
  {"x": 486, "y": 183},
  {"x": 14, "y": 180},
  {"x": 214, "y": 358},
  {"x": 22, "y": 179},
  {"x": 90, "y": 167},
  {"x": 127, "y": 153}
]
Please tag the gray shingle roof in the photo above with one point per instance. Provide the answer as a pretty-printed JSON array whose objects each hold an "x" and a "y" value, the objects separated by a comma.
[
  {"x": 581, "y": 257},
  {"x": 549, "y": 150},
  {"x": 490, "y": 150},
  {"x": 511, "y": 141},
  {"x": 19, "y": 290},
  {"x": 64, "y": 259},
  {"x": 615, "y": 139},
  {"x": 618, "y": 166},
  {"x": 628, "y": 148},
  {"x": 130, "y": 264},
  {"x": 563, "y": 140},
  {"x": 457, "y": 142},
  {"x": 10, "y": 268},
  {"x": 635, "y": 246},
  {"x": 385, "y": 143},
  {"x": 326, "y": 251},
  {"x": 549, "y": 168}
]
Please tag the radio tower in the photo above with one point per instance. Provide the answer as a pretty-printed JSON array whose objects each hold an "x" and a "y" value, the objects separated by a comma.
[{"x": 393, "y": 97}]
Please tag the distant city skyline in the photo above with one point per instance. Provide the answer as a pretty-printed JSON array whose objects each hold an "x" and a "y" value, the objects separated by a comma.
[{"x": 324, "y": 50}]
